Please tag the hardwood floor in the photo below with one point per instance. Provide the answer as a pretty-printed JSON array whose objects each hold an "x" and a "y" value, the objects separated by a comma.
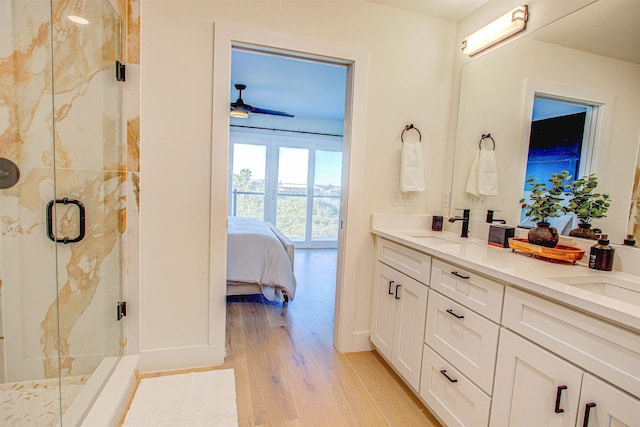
[{"x": 289, "y": 374}]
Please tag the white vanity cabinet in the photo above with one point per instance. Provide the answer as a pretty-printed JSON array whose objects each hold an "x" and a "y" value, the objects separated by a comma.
[
  {"x": 484, "y": 352},
  {"x": 399, "y": 310},
  {"x": 535, "y": 387},
  {"x": 461, "y": 342}
]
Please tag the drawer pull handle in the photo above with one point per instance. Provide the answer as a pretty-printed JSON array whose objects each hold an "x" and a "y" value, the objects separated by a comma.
[
  {"x": 587, "y": 411},
  {"x": 457, "y": 316},
  {"x": 455, "y": 273},
  {"x": 397, "y": 287},
  {"x": 390, "y": 285},
  {"x": 559, "y": 410},
  {"x": 444, "y": 372}
]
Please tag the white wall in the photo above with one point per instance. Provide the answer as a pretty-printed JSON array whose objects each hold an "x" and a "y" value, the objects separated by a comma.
[{"x": 410, "y": 58}]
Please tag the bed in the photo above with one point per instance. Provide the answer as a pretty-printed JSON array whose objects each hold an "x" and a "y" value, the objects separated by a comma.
[{"x": 259, "y": 260}]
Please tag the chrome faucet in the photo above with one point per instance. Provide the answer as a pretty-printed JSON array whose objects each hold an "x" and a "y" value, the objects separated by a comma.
[
  {"x": 491, "y": 220},
  {"x": 465, "y": 222}
]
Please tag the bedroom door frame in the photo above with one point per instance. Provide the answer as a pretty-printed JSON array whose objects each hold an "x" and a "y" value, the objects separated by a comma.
[{"x": 346, "y": 337}]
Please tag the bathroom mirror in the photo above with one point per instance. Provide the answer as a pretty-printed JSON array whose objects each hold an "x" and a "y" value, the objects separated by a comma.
[{"x": 593, "y": 55}]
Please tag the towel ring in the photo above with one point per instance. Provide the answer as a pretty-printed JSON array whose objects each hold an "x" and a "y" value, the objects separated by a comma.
[
  {"x": 409, "y": 127},
  {"x": 487, "y": 136}
]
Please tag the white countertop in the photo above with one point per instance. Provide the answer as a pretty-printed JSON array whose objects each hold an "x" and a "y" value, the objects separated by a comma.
[{"x": 520, "y": 270}]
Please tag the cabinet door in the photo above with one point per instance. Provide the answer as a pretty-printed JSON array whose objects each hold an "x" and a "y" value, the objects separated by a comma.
[
  {"x": 384, "y": 306},
  {"x": 533, "y": 387},
  {"x": 409, "y": 328},
  {"x": 605, "y": 406}
]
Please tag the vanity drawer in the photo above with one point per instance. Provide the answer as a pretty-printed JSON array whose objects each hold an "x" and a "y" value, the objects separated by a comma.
[
  {"x": 408, "y": 261},
  {"x": 604, "y": 349},
  {"x": 456, "y": 400},
  {"x": 464, "y": 338},
  {"x": 469, "y": 289}
]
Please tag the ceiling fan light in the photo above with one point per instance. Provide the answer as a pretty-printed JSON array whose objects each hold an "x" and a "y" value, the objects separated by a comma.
[{"x": 239, "y": 112}]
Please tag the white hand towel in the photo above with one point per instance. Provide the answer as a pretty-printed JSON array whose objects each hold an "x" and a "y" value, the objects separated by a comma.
[
  {"x": 487, "y": 173},
  {"x": 483, "y": 176},
  {"x": 472, "y": 181},
  {"x": 411, "y": 167}
]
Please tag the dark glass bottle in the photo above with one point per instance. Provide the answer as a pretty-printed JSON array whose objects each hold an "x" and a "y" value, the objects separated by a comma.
[{"x": 601, "y": 255}]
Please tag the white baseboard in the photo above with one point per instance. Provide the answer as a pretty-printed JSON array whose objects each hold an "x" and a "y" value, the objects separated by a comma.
[{"x": 360, "y": 341}]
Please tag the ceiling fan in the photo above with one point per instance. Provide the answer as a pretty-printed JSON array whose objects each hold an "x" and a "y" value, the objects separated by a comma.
[{"x": 242, "y": 110}]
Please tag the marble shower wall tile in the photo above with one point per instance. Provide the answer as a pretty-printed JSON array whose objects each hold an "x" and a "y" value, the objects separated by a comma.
[
  {"x": 132, "y": 91},
  {"x": 131, "y": 339},
  {"x": 87, "y": 98},
  {"x": 133, "y": 32},
  {"x": 132, "y": 96},
  {"x": 132, "y": 260},
  {"x": 25, "y": 80},
  {"x": 120, "y": 6}
]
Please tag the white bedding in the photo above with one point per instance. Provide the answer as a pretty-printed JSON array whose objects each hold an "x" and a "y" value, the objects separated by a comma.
[{"x": 256, "y": 255}]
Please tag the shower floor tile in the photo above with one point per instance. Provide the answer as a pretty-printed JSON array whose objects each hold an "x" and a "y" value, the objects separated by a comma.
[{"x": 37, "y": 402}]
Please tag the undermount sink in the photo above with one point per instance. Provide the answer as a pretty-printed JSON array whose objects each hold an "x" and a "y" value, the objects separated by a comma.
[{"x": 610, "y": 287}]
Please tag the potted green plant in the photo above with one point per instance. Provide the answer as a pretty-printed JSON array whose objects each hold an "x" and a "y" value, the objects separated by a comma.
[
  {"x": 586, "y": 205},
  {"x": 544, "y": 203}
]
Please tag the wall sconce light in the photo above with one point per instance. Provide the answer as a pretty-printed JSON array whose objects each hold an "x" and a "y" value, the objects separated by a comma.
[
  {"x": 239, "y": 112},
  {"x": 502, "y": 28}
]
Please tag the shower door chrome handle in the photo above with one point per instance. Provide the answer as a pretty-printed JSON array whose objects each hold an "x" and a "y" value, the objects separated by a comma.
[{"x": 81, "y": 220}]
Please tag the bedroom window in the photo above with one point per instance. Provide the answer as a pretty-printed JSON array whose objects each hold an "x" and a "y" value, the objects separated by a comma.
[
  {"x": 292, "y": 182},
  {"x": 291, "y": 202},
  {"x": 248, "y": 180},
  {"x": 326, "y": 195}
]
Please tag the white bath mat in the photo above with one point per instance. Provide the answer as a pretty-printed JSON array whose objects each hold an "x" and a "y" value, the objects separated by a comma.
[{"x": 195, "y": 399}]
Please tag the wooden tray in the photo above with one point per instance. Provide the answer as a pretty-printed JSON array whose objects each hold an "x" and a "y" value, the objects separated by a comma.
[{"x": 560, "y": 252}]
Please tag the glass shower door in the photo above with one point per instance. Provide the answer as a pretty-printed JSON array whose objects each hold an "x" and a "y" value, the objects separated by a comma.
[
  {"x": 61, "y": 223},
  {"x": 89, "y": 197}
]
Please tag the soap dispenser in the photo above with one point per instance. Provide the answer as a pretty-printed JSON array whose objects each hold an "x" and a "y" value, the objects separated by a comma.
[{"x": 601, "y": 255}]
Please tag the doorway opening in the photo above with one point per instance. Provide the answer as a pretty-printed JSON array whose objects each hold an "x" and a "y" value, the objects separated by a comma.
[{"x": 287, "y": 156}]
